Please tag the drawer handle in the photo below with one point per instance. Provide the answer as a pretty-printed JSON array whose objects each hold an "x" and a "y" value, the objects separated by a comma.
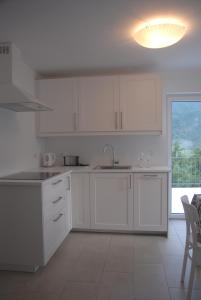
[
  {"x": 130, "y": 179},
  {"x": 150, "y": 175},
  {"x": 121, "y": 120},
  {"x": 57, "y": 200},
  {"x": 75, "y": 120},
  {"x": 68, "y": 183},
  {"x": 57, "y": 218},
  {"x": 116, "y": 120},
  {"x": 56, "y": 182}
]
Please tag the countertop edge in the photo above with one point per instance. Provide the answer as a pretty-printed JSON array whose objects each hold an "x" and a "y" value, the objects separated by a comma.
[{"x": 91, "y": 169}]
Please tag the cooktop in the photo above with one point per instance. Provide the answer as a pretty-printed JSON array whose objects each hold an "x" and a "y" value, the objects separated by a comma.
[{"x": 30, "y": 176}]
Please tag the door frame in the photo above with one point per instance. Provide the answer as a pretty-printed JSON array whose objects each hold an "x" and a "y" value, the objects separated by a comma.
[{"x": 170, "y": 98}]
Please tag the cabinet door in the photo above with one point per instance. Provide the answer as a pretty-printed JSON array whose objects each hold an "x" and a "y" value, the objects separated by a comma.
[
  {"x": 97, "y": 109},
  {"x": 59, "y": 95},
  {"x": 80, "y": 200},
  {"x": 111, "y": 201},
  {"x": 55, "y": 230},
  {"x": 140, "y": 103},
  {"x": 150, "y": 202}
]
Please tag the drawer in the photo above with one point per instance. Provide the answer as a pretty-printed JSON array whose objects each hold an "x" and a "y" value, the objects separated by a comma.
[
  {"x": 54, "y": 196},
  {"x": 54, "y": 187},
  {"x": 55, "y": 230},
  {"x": 53, "y": 204}
]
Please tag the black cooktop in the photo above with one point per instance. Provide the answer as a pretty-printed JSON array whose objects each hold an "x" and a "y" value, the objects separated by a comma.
[{"x": 30, "y": 176}]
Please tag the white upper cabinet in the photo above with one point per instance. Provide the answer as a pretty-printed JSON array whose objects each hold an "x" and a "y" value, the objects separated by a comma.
[
  {"x": 97, "y": 103},
  {"x": 59, "y": 94},
  {"x": 140, "y": 103},
  {"x": 101, "y": 104}
]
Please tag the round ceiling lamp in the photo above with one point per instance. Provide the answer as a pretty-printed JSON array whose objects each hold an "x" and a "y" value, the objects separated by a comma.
[{"x": 159, "y": 33}]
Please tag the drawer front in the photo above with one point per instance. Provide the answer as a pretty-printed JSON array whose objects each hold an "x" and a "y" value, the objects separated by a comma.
[
  {"x": 54, "y": 204},
  {"x": 54, "y": 197},
  {"x": 55, "y": 230},
  {"x": 54, "y": 187}
]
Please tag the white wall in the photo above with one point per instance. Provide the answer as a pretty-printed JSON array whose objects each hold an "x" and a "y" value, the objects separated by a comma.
[
  {"x": 19, "y": 147},
  {"x": 128, "y": 148}
]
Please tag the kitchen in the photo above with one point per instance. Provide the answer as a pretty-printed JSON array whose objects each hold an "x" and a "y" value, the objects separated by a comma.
[{"x": 21, "y": 145}]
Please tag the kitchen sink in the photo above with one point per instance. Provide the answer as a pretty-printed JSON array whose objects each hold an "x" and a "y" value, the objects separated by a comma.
[{"x": 116, "y": 167}]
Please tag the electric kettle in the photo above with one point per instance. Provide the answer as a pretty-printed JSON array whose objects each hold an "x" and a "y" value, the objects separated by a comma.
[{"x": 48, "y": 159}]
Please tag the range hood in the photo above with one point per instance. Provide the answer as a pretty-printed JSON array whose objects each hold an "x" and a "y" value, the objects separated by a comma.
[{"x": 17, "y": 85}]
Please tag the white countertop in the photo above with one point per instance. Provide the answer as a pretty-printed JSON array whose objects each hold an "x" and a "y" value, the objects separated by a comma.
[
  {"x": 89, "y": 169},
  {"x": 92, "y": 169}
]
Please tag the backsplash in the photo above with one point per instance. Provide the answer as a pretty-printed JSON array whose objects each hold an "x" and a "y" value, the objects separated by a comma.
[{"x": 128, "y": 148}]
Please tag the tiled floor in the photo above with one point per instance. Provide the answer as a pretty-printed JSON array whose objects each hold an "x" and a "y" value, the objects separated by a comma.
[{"x": 96, "y": 266}]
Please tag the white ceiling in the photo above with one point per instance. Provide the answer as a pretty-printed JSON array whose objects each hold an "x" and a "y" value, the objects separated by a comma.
[{"x": 79, "y": 36}]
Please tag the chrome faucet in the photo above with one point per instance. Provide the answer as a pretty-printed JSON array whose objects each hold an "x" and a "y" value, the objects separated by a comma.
[{"x": 111, "y": 148}]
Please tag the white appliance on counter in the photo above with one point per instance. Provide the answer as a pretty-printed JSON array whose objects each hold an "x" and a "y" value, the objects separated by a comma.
[
  {"x": 17, "y": 85},
  {"x": 48, "y": 159}
]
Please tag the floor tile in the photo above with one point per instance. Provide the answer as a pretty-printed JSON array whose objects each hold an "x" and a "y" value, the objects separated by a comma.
[
  {"x": 116, "y": 285},
  {"x": 84, "y": 274},
  {"x": 29, "y": 296},
  {"x": 91, "y": 259},
  {"x": 79, "y": 291},
  {"x": 119, "y": 263},
  {"x": 13, "y": 281},
  {"x": 149, "y": 282},
  {"x": 148, "y": 255},
  {"x": 50, "y": 278},
  {"x": 180, "y": 294}
]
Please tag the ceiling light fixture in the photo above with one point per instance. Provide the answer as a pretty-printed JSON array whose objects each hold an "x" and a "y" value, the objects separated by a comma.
[{"x": 159, "y": 33}]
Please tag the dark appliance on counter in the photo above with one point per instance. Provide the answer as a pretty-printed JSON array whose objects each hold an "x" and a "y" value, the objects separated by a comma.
[{"x": 73, "y": 160}]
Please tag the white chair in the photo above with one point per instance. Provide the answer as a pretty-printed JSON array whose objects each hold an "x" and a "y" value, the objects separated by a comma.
[{"x": 192, "y": 246}]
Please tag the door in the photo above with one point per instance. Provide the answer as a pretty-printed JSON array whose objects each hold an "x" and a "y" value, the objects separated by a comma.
[
  {"x": 150, "y": 202},
  {"x": 140, "y": 103},
  {"x": 184, "y": 149},
  {"x": 59, "y": 95},
  {"x": 111, "y": 201},
  {"x": 97, "y": 108},
  {"x": 80, "y": 200}
]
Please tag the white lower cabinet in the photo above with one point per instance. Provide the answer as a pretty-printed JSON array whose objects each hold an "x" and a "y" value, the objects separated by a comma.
[
  {"x": 120, "y": 201},
  {"x": 56, "y": 211},
  {"x": 80, "y": 200},
  {"x": 35, "y": 219},
  {"x": 111, "y": 199},
  {"x": 150, "y": 202}
]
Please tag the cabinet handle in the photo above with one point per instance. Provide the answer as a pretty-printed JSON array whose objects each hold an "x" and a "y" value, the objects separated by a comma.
[
  {"x": 75, "y": 120},
  {"x": 130, "y": 184},
  {"x": 57, "y": 218},
  {"x": 150, "y": 175},
  {"x": 56, "y": 182},
  {"x": 68, "y": 183},
  {"x": 57, "y": 200},
  {"x": 121, "y": 120},
  {"x": 116, "y": 121}
]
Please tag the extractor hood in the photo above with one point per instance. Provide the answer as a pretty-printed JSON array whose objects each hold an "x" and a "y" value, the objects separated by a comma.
[{"x": 17, "y": 85}]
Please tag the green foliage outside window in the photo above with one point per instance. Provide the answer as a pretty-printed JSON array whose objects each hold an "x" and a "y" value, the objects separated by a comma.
[{"x": 186, "y": 166}]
